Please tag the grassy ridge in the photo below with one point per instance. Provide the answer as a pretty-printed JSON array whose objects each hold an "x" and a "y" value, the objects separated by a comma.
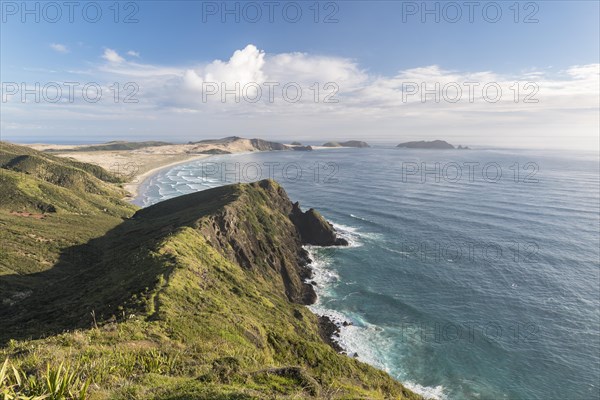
[
  {"x": 194, "y": 298},
  {"x": 49, "y": 205},
  {"x": 113, "y": 146}
]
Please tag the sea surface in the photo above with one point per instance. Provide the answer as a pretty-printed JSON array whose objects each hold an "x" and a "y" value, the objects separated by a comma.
[{"x": 470, "y": 275}]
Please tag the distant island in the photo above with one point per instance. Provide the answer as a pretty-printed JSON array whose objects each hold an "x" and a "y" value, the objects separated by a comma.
[
  {"x": 349, "y": 143},
  {"x": 434, "y": 144}
]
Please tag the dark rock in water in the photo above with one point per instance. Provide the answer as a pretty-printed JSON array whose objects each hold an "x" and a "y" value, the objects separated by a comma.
[
  {"x": 296, "y": 144},
  {"x": 309, "y": 295},
  {"x": 463, "y": 148},
  {"x": 304, "y": 258},
  {"x": 327, "y": 330},
  {"x": 435, "y": 144},
  {"x": 314, "y": 229}
]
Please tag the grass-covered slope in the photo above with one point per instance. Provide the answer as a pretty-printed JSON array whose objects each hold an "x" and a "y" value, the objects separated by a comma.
[
  {"x": 50, "y": 204},
  {"x": 198, "y": 297},
  {"x": 114, "y": 146}
]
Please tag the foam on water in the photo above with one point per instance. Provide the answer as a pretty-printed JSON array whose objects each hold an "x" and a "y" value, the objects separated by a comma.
[
  {"x": 349, "y": 233},
  {"x": 360, "y": 338},
  {"x": 360, "y": 218},
  {"x": 353, "y": 235}
]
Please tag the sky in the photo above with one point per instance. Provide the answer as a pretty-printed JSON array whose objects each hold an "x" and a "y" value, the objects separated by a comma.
[{"x": 506, "y": 73}]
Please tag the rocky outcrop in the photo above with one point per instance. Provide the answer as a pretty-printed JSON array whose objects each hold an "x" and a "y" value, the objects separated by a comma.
[
  {"x": 349, "y": 143},
  {"x": 314, "y": 229},
  {"x": 251, "y": 144},
  {"x": 264, "y": 145},
  {"x": 238, "y": 231},
  {"x": 301, "y": 148}
]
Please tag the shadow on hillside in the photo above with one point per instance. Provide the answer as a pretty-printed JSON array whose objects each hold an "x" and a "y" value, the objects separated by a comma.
[
  {"x": 87, "y": 284},
  {"x": 97, "y": 281}
]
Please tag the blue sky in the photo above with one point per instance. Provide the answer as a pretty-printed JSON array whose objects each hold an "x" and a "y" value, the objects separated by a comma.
[{"x": 378, "y": 39}]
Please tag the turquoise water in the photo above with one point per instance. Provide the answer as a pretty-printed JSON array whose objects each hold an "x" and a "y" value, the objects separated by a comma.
[{"x": 473, "y": 286}]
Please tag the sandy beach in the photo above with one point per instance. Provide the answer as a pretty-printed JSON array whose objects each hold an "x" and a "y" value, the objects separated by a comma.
[
  {"x": 133, "y": 186},
  {"x": 135, "y": 166}
]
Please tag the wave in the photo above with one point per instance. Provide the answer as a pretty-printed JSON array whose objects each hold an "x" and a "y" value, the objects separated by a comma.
[
  {"x": 361, "y": 218},
  {"x": 349, "y": 233},
  {"x": 353, "y": 235},
  {"x": 357, "y": 337}
]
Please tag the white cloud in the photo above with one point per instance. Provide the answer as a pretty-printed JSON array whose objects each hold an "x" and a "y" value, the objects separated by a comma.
[
  {"x": 112, "y": 56},
  {"x": 590, "y": 71},
  {"x": 133, "y": 53},
  {"x": 59, "y": 48},
  {"x": 370, "y": 105},
  {"x": 243, "y": 67}
]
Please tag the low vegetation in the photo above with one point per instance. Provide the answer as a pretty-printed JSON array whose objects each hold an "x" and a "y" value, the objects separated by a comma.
[
  {"x": 113, "y": 146},
  {"x": 198, "y": 297}
]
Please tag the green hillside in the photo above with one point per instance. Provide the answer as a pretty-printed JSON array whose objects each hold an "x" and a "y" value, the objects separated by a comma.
[
  {"x": 113, "y": 146},
  {"x": 198, "y": 297}
]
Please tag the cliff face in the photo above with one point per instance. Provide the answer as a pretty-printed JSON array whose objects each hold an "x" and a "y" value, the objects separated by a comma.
[
  {"x": 238, "y": 231},
  {"x": 264, "y": 145},
  {"x": 314, "y": 229}
]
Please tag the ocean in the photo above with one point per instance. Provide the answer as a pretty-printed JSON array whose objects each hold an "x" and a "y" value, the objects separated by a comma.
[{"x": 471, "y": 274}]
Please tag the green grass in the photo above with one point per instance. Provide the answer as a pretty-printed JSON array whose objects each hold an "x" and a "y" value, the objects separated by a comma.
[
  {"x": 197, "y": 297},
  {"x": 114, "y": 146},
  {"x": 55, "y": 384}
]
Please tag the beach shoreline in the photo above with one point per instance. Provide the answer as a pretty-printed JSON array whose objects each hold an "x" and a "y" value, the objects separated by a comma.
[
  {"x": 133, "y": 186},
  {"x": 136, "y": 166}
]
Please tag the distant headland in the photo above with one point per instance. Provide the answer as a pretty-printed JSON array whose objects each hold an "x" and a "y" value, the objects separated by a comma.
[
  {"x": 434, "y": 144},
  {"x": 349, "y": 143}
]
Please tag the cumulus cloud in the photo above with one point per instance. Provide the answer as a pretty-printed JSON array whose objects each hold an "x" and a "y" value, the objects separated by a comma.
[
  {"x": 243, "y": 67},
  {"x": 112, "y": 56},
  {"x": 59, "y": 48},
  {"x": 382, "y": 105}
]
